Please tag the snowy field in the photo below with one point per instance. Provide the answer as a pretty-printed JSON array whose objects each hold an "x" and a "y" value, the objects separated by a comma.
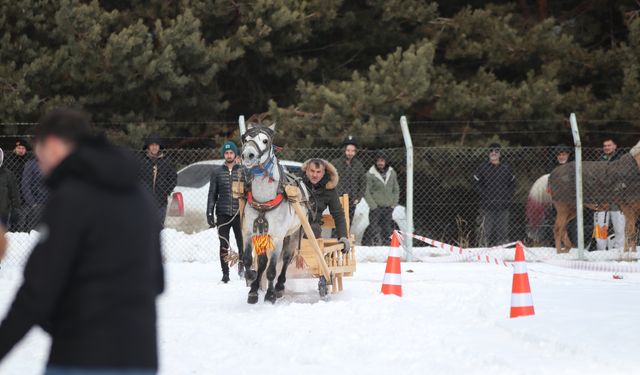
[{"x": 453, "y": 319}]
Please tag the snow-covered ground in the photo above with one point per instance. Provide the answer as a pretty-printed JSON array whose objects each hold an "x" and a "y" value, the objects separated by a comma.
[{"x": 453, "y": 319}]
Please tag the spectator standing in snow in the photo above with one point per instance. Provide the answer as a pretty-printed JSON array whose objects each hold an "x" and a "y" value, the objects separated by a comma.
[
  {"x": 35, "y": 194},
  {"x": 158, "y": 174},
  {"x": 15, "y": 162},
  {"x": 602, "y": 219},
  {"x": 494, "y": 182},
  {"x": 352, "y": 175},
  {"x": 9, "y": 194},
  {"x": 382, "y": 194},
  {"x": 221, "y": 205},
  {"x": 92, "y": 280}
]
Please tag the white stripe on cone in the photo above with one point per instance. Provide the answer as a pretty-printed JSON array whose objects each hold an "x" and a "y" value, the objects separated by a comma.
[
  {"x": 392, "y": 279},
  {"x": 395, "y": 252},
  {"x": 521, "y": 300},
  {"x": 519, "y": 267}
]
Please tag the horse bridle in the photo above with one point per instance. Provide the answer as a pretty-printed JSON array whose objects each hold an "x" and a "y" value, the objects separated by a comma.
[{"x": 253, "y": 132}]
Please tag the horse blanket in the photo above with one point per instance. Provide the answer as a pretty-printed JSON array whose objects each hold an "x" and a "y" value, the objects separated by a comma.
[{"x": 603, "y": 182}]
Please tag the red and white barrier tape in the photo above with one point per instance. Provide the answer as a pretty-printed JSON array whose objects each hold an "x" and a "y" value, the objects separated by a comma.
[{"x": 464, "y": 254}]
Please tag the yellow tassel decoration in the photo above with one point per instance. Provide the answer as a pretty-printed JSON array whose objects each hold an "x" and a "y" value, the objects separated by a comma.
[{"x": 262, "y": 243}]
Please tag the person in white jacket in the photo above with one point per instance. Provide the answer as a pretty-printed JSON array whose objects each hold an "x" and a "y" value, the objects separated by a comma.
[{"x": 604, "y": 219}]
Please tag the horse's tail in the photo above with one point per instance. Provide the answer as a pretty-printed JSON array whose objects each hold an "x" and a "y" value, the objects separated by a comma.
[{"x": 538, "y": 201}]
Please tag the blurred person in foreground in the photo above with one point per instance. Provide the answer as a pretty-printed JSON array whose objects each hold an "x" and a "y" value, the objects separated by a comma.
[{"x": 92, "y": 280}]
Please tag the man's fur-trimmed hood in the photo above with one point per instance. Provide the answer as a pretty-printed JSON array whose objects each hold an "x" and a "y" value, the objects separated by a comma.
[{"x": 331, "y": 173}]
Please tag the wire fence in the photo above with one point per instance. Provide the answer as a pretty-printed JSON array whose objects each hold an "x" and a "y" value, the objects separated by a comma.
[{"x": 460, "y": 198}]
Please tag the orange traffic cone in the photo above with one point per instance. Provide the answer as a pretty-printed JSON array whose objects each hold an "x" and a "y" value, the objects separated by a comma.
[
  {"x": 521, "y": 301},
  {"x": 392, "y": 283}
]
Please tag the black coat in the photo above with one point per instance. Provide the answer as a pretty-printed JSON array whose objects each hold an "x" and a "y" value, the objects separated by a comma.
[
  {"x": 495, "y": 185},
  {"x": 161, "y": 183},
  {"x": 16, "y": 164},
  {"x": 92, "y": 280},
  {"x": 220, "y": 193},
  {"x": 9, "y": 192},
  {"x": 352, "y": 178},
  {"x": 324, "y": 195}
]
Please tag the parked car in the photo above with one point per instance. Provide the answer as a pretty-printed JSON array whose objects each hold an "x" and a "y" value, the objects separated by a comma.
[{"x": 188, "y": 201}]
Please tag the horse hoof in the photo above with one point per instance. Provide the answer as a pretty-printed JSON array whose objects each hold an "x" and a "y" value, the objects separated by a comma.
[
  {"x": 253, "y": 298},
  {"x": 279, "y": 291},
  {"x": 270, "y": 297}
]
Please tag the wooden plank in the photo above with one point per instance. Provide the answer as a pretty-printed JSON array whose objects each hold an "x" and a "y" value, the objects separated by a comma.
[{"x": 309, "y": 232}]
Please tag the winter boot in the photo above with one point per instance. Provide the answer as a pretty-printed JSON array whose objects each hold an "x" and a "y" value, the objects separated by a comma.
[{"x": 224, "y": 265}]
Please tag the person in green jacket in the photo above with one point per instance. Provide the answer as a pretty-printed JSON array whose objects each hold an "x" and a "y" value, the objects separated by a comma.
[{"x": 382, "y": 195}]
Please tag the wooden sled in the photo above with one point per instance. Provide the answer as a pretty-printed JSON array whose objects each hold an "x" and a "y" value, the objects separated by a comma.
[{"x": 323, "y": 258}]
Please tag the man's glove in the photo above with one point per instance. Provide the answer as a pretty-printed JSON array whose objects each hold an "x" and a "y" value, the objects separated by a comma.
[
  {"x": 347, "y": 244},
  {"x": 211, "y": 220}
]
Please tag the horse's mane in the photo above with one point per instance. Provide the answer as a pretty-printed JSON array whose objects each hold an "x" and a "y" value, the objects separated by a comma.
[
  {"x": 261, "y": 119},
  {"x": 635, "y": 150}
]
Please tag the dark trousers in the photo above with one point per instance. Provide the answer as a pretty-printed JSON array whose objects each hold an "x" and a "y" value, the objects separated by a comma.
[
  {"x": 380, "y": 227},
  {"x": 494, "y": 227},
  {"x": 225, "y": 225}
]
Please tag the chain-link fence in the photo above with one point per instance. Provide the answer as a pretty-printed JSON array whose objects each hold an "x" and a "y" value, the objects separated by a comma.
[{"x": 461, "y": 197}]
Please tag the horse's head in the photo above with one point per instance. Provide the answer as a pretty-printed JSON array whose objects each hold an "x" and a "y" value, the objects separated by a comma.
[{"x": 257, "y": 145}]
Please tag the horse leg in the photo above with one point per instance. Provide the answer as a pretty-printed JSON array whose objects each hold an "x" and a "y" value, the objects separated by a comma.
[
  {"x": 559, "y": 228},
  {"x": 270, "y": 296},
  {"x": 255, "y": 284},
  {"x": 250, "y": 274},
  {"x": 630, "y": 215},
  {"x": 287, "y": 255}
]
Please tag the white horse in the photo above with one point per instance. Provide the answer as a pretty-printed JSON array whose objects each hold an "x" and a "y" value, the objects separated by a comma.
[{"x": 270, "y": 226}]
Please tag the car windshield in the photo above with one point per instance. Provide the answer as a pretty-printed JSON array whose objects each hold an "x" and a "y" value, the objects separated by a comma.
[{"x": 195, "y": 176}]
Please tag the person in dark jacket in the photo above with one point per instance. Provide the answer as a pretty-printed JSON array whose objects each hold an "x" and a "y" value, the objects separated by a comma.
[
  {"x": 9, "y": 194},
  {"x": 35, "y": 194},
  {"x": 321, "y": 177},
  {"x": 494, "y": 182},
  {"x": 222, "y": 205},
  {"x": 158, "y": 174},
  {"x": 92, "y": 280},
  {"x": 15, "y": 162},
  {"x": 604, "y": 219},
  {"x": 352, "y": 175}
]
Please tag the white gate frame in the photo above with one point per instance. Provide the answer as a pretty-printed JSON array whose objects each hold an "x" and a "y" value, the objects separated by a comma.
[
  {"x": 408, "y": 240},
  {"x": 579, "y": 202}
]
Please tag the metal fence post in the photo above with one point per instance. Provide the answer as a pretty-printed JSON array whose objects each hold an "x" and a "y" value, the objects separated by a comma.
[
  {"x": 579, "y": 203},
  {"x": 408, "y": 240}
]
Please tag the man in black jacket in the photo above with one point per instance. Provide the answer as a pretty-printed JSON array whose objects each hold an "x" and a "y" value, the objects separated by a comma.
[
  {"x": 226, "y": 208},
  {"x": 494, "y": 182},
  {"x": 158, "y": 174},
  {"x": 92, "y": 280},
  {"x": 9, "y": 194},
  {"x": 321, "y": 178},
  {"x": 15, "y": 162},
  {"x": 352, "y": 175}
]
